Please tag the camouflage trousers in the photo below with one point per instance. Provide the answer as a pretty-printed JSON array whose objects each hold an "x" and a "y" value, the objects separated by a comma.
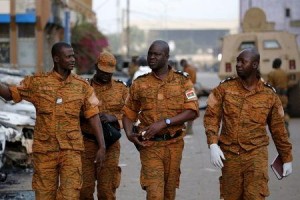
[
  {"x": 161, "y": 170},
  {"x": 57, "y": 175},
  {"x": 108, "y": 177},
  {"x": 245, "y": 176}
]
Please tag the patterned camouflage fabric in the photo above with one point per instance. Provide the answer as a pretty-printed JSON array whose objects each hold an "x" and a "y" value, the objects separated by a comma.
[
  {"x": 192, "y": 72},
  {"x": 279, "y": 80},
  {"x": 152, "y": 99},
  {"x": 243, "y": 137},
  {"x": 57, "y": 135},
  {"x": 111, "y": 100}
]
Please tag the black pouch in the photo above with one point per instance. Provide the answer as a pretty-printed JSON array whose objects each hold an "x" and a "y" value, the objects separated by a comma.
[{"x": 111, "y": 134}]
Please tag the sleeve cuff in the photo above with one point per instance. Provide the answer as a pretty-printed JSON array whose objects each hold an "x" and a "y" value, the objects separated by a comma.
[
  {"x": 91, "y": 112},
  {"x": 15, "y": 94},
  {"x": 193, "y": 105},
  {"x": 129, "y": 113},
  {"x": 213, "y": 140}
]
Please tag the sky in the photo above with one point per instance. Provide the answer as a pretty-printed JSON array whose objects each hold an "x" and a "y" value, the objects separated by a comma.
[{"x": 109, "y": 12}]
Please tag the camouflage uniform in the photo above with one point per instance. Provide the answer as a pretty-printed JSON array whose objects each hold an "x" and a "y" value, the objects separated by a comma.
[
  {"x": 58, "y": 141},
  {"x": 192, "y": 72},
  {"x": 150, "y": 100},
  {"x": 112, "y": 97},
  {"x": 243, "y": 139},
  {"x": 279, "y": 80}
]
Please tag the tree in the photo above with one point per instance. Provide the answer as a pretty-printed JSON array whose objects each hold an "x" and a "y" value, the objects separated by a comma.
[{"x": 87, "y": 42}]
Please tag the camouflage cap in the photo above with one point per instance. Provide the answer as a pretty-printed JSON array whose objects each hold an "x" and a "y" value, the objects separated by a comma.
[{"x": 106, "y": 62}]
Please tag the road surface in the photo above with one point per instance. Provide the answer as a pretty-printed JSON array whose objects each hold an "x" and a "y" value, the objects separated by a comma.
[{"x": 199, "y": 179}]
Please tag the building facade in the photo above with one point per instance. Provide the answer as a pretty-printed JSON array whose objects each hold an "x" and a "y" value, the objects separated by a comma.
[{"x": 28, "y": 29}]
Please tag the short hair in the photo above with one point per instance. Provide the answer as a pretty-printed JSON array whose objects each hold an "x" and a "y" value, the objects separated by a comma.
[
  {"x": 142, "y": 61},
  {"x": 58, "y": 46},
  {"x": 277, "y": 63},
  {"x": 163, "y": 44},
  {"x": 183, "y": 62}
]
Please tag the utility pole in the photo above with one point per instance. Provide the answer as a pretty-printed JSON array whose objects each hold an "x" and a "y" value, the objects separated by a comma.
[{"x": 128, "y": 29}]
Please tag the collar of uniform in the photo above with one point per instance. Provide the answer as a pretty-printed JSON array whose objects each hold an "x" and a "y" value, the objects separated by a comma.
[
  {"x": 60, "y": 78},
  {"x": 101, "y": 85},
  {"x": 259, "y": 86},
  {"x": 168, "y": 77}
]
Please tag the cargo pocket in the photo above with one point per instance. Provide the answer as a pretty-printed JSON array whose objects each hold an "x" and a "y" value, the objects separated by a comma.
[
  {"x": 117, "y": 178},
  {"x": 259, "y": 113},
  {"x": 75, "y": 139},
  {"x": 264, "y": 191}
]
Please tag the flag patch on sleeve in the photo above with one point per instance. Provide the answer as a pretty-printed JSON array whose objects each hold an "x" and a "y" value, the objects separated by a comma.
[{"x": 191, "y": 94}]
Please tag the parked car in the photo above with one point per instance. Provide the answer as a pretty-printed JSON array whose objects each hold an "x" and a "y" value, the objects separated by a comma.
[{"x": 206, "y": 81}]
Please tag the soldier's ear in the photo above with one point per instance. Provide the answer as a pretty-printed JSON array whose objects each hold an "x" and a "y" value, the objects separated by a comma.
[
  {"x": 56, "y": 59},
  {"x": 255, "y": 65}
]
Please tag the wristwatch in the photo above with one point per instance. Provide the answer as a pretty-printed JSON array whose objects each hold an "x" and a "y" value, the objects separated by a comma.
[{"x": 168, "y": 122}]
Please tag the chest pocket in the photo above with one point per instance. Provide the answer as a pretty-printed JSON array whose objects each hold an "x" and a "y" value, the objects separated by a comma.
[
  {"x": 45, "y": 104},
  {"x": 174, "y": 97},
  {"x": 232, "y": 105},
  {"x": 73, "y": 106},
  {"x": 259, "y": 113},
  {"x": 148, "y": 99}
]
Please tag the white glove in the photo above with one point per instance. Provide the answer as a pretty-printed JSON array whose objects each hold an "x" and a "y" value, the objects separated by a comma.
[
  {"x": 215, "y": 155},
  {"x": 287, "y": 169}
]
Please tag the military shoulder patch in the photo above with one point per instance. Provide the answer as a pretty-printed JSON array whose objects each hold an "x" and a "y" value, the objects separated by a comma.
[
  {"x": 120, "y": 81},
  {"x": 191, "y": 94},
  {"x": 185, "y": 74},
  {"x": 269, "y": 86},
  {"x": 228, "y": 79}
]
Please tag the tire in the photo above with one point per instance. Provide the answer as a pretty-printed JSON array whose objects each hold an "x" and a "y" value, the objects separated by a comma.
[{"x": 294, "y": 101}]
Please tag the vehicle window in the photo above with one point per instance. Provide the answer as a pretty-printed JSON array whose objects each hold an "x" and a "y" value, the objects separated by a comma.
[
  {"x": 247, "y": 44},
  {"x": 271, "y": 44}
]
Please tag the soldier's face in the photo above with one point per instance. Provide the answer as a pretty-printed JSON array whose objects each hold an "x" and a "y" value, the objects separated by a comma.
[
  {"x": 245, "y": 64},
  {"x": 157, "y": 57},
  {"x": 103, "y": 77},
  {"x": 66, "y": 59}
]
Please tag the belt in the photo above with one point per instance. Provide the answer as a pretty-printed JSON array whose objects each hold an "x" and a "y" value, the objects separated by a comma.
[{"x": 166, "y": 136}]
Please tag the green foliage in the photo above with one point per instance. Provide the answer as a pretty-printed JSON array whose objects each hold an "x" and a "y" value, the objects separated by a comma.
[{"x": 87, "y": 42}]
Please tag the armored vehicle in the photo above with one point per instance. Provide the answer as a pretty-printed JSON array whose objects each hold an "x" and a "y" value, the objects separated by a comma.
[{"x": 271, "y": 44}]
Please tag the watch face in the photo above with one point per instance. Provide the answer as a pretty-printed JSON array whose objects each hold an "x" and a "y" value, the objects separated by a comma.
[{"x": 168, "y": 121}]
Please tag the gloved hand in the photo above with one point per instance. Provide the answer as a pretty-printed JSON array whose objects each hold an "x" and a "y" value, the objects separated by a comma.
[
  {"x": 287, "y": 169},
  {"x": 215, "y": 155}
]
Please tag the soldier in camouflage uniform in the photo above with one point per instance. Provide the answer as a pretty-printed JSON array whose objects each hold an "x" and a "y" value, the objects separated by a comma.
[
  {"x": 245, "y": 105},
  {"x": 162, "y": 100},
  {"x": 58, "y": 97},
  {"x": 193, "y": 75},
  {"x": 278, "y": 78},
  {"x": 111, "y": 95}
]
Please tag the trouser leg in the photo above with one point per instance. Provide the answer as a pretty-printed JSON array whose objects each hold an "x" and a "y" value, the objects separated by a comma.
[
  {"x": 88, "y": 170},
  {"x": 109, "y": 176}
]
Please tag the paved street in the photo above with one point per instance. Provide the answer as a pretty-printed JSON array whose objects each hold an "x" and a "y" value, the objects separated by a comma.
[{"x": 199, "y": 180}]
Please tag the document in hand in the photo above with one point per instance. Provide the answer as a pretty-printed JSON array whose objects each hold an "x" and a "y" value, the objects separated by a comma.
[{"x": 277, "y": 167}]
